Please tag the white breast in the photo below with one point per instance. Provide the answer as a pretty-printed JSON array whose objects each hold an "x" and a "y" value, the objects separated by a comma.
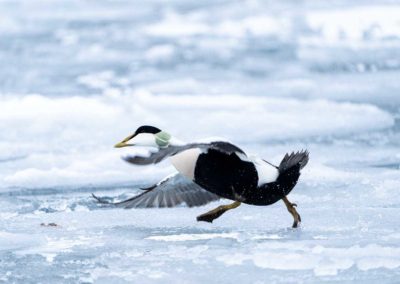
[
  {"x": 266, "y": 172},
  {"x": 185, "y": 162}
]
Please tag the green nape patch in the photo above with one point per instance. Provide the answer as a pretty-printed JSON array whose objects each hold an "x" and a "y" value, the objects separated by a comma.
[{"x": 162, "y": 139}]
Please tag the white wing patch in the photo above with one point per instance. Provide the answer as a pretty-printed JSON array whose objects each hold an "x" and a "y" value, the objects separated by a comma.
[
  {"x": 243, "y": 157},
  {"x": 266, "y": 172}
]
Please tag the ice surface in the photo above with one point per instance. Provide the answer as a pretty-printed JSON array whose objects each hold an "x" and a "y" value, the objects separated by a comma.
[{"x": 272, "y": 76}]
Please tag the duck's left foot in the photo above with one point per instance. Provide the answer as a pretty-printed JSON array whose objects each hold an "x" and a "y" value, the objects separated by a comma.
[
  {"x": 291, "y": 207},
  {"x": 210, "y": 216}
]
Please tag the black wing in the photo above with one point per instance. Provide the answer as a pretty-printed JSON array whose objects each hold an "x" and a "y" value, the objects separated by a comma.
[
  {"x": 162, "y": 153},
  {"x": 170, "y": 192}
]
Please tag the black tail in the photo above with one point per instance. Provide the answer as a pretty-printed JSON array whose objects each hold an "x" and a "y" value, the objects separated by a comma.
[{"x": 289, "y": 161}]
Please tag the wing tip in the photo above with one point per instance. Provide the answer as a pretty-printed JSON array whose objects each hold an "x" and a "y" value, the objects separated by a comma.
[{"x": 100, "y": 200}]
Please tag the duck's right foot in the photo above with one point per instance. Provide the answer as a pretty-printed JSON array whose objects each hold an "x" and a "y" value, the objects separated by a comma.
[{"x": 210, "y": 216}]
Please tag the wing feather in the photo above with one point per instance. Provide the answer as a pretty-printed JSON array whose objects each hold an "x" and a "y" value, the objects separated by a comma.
[
  {"x": 162, "y": 153},
  {"x": 170, "y": 192}
]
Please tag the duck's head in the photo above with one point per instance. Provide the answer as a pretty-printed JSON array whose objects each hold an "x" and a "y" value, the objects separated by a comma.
[{"x": 146, "y": 136}]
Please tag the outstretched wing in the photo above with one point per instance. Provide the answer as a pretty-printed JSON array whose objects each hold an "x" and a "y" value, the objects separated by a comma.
[
  {"x": 162, "y": 153},
  {"x": 170, "y": 192}
]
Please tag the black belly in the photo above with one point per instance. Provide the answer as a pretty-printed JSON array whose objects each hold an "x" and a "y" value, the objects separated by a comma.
[
  {"x": 272, "y": 192},
  {"x": 232, "y": 178},
  {"x": 225, "y": 175}
]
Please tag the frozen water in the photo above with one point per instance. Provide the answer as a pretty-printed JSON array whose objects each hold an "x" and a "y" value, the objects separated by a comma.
[{"x": 272, "y": 76}]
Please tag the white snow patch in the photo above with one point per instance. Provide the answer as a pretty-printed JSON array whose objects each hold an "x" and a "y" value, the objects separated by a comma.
[
  {"x": 322, "y": 260},
  {"x": 193, "y": 237},
  {"x": 160, "y": 52},
  {"x": 54, "y": 246},
  {"x": 177, "y": 25},
  {"x": 13, "y": 241}
]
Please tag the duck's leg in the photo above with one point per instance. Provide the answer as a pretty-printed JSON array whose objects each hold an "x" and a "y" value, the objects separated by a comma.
[
  {"x": 215, "y": 213},
  {"x": 292, "y": 210}
]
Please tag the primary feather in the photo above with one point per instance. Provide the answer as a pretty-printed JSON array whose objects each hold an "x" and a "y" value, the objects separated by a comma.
[{"x": 169, "y": 192}]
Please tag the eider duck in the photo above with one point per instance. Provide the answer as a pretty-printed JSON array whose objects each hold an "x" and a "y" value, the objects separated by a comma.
[{"x": 210, "y": 171}]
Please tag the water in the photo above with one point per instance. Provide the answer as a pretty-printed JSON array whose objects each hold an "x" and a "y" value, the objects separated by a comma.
[{"x": 272, "y": 76}]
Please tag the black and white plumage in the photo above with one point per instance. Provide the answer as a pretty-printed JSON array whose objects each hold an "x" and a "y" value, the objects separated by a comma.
[
  {"x": 209, "y": 170},
  {"x": 224, "y": 169}
]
